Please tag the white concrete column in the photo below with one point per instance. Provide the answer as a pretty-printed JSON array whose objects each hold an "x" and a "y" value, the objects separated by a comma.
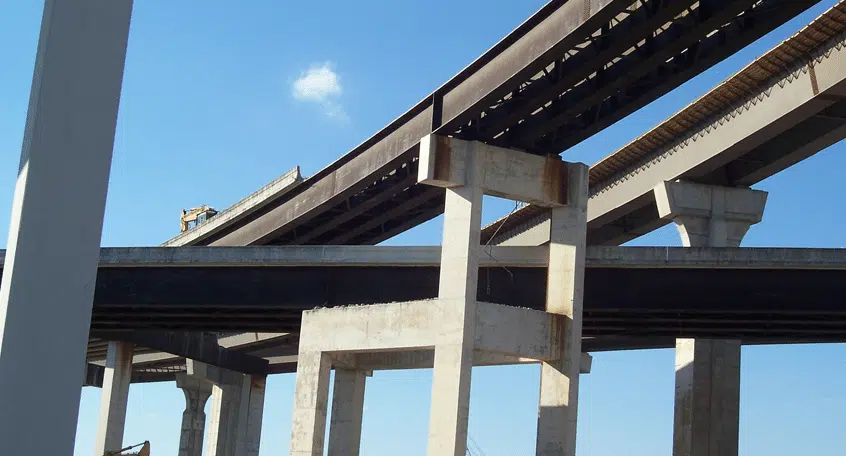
[
  {"x": 51, "y": 261},
  {"x": 224, "y": 417},
  {"x": 457, "y": 302},
  {"x": 255, "y": 414},
  {"x": 197, "y": 392},
  {"x": 308, "y": 427},
  {"x": 707, "y": 410},
  {"x": 707, "y": 396},
  {"x": 114, "y": 397},
  {"x": 559, "y": 390},
  {"x": 347, "y": 411}
]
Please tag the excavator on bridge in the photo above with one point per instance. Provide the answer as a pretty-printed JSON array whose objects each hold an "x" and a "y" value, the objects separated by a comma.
[
  {"x": 194, "y": 216},
  {"x": 144, "y": 451}
]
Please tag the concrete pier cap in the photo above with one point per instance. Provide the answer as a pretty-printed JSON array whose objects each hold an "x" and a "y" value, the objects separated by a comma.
[{"x": 455, "y": 331}]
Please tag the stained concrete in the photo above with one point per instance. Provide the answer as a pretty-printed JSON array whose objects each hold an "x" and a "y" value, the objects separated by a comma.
[
  {"x": 237, "y": 406},
  {"x": 559, "y": 388},
  {"x": 347, "y": 411},
  {"x": 197, "y": 392},
  {"x": 457, "y": 328}
]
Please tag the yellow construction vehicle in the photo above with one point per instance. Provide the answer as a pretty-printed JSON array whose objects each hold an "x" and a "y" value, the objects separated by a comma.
[
  {"x": 195, "y": 216},
  {"x": 144, "y": 451}
]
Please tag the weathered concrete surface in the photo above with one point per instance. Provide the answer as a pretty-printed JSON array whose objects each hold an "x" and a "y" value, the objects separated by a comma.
[
  {"x": 707, "y": 398},
  {"x": 308, "y": 427},
  {"x": 710, "y": 216},
  {"x": 492, "y": 256},
  {"x": 114, "y": 398},
  {"x": 347, "y": 411},
  {"x": 64, "y": 172},
  {"x": 559, "y": 389},
  {"x": 425, "y": 358},
  {"x": 235, "y": 416},
  {"x": 197, "y": 392},
  {"x": 506, "y": 173},
  {"x": 455, "y": 337},
  {"x": 501, "y": 335},
  {"x": 783, "y": 121}
]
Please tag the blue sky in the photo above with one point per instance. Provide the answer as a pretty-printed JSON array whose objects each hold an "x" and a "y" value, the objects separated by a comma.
[{"x": 212, "y": 109}]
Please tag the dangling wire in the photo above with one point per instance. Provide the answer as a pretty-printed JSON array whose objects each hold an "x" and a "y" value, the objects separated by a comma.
[{"x": 490, "y": 254}]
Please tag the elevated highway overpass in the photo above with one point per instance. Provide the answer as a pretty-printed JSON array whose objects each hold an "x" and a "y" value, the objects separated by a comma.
[
  {"x": 569, "y": 71},
  {"x": 254, "y": 296},
  {"x": 782, "y": 108}
]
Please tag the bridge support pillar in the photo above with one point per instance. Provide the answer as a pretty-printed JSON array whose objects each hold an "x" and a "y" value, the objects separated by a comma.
[
  {"x": 347, "y": 411},
  {"x": 707, "y": 397},
  {"x": 236, "y": 411},
  {"x": 197, "y": 392},
  {"x": 48, "y": 282},
  {"x": 455, "y": 331},
  {"x": 114, "y": 397},
  {"x": 559, "y": 389}
]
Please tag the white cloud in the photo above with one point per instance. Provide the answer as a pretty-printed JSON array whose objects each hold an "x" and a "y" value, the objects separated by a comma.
[{"x": 321, "y": 84}]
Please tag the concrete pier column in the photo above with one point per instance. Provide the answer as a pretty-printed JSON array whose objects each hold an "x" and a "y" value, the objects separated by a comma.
[
  {"x": 224, "y": 418},
  {"x": 235, "y": 417},
  {"x": 51, "y": 262},
  {"x": 308, "y": 427},
  {"x": 114, "y": 397},
  {"x": 559, "y": 390},
  {"x": 347, "y": 411},
  {"x": 707, "y": 397},
  {"x": 255, "y": 414},
  {"x": 457, "y": 301},
  {"x": 197, "y": 392}
]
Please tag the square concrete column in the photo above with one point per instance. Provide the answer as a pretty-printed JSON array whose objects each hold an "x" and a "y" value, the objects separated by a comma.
[
  {"x": 255, "y": 414},
  {"x": 707, "y": 396},
  {"x": 308, "y": 427},
  {"x": 197, "y": 392},
  {"x": 559, "y": 390},
  {"x": 57, "y": 218},
  {"x": 707, "y": 411},
  {"x": 457, "y": 292},
  {"x": 347, "y": 411},
  {"x": 236, "y": 411},
  {"x": 114, "y": 397}
]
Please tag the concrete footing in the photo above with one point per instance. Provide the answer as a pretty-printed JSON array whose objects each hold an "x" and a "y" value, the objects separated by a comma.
[
  {"x": 454, "y": 331},
  {"x": 707, "y": 397}
]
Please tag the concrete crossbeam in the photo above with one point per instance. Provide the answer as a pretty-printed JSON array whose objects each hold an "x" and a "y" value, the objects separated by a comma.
[
  {"x": 506, "y": 173},
  {"x": 64, "y": 171},
  {"x": 424, "y": 359},
  {"x": 373, "y": 347},
  {"x": 199, "y": 347},
  {"x": 707, "y": 215}
]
